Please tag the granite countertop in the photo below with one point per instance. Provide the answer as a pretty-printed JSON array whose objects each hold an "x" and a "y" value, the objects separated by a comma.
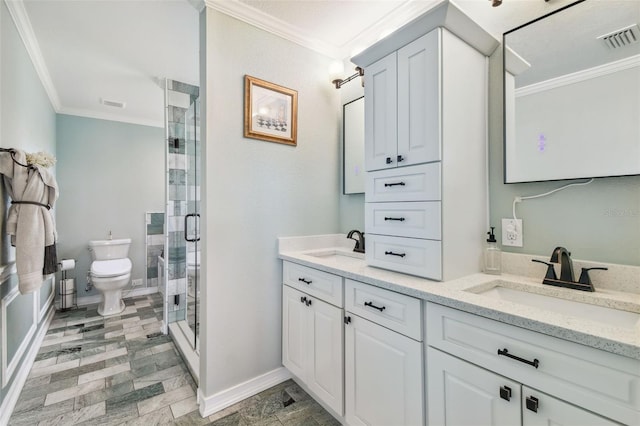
[{"x": 622, "y": 339}]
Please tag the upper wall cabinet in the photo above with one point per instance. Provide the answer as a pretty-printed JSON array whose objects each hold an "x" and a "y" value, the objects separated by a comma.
[{"x": 402, "y": 119}]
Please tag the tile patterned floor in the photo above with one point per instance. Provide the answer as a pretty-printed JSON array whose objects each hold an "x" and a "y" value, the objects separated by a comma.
[{"x": 122, "y": 370}]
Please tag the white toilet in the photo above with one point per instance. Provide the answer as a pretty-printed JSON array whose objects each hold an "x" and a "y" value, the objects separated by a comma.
[{"x": 110, "y": 272}]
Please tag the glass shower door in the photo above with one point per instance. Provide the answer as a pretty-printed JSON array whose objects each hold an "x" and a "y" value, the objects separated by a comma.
[{"x": 192, "y": 218}]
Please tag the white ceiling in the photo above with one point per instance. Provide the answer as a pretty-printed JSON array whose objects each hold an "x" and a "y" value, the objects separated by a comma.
[{"x": 121, "y": 50}]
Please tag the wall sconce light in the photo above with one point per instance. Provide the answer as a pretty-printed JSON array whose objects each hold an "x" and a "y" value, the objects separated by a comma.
[{"x": 338, "y": 82}]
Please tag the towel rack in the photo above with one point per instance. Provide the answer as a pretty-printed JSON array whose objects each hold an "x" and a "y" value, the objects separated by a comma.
[{"x": 13, "y": 157}]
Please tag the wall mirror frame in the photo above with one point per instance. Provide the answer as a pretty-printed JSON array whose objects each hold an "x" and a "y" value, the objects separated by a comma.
[
  {"x": 572, "y": 93},
  {"x": 353, "y": 146}
]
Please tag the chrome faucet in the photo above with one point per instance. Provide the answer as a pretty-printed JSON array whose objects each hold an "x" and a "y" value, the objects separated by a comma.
[
  {"x": 359, "y": 248},
  {"x": 562, "y": 256}
]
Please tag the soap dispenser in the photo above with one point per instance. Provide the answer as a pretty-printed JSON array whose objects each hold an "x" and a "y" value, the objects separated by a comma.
[{"x": 492, "y": 255}]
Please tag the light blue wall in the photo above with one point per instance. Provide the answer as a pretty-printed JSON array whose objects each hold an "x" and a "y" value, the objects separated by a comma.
[
  {"x": 110, "y": 173},
  {"x": 598, "y": 222},
  {"x": 256, "y": 191},
  {"x": 27, "y": 121}
]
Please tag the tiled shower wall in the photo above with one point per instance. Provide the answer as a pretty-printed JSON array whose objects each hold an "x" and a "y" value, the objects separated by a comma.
[
  {"x": 155, "y": 245},
  {"x": 178, "y": 100}
]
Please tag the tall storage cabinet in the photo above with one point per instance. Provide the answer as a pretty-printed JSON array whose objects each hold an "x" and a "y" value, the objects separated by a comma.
[{"x": 426, "y": 144}]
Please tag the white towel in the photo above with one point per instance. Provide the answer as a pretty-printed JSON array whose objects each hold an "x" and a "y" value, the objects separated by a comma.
[{"x": 31, "y": 227}]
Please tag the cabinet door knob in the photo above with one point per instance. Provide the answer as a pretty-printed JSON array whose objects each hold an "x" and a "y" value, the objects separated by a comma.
[
  {"x": 308, "y": 302},
  {"x": 400, "y": 158},
  {"x": 505, "y": 393},
  {"x": 389, "y": 160},
  {"x": 303, "y": 299},
  {"x": 532, "y": 404},
  {"x": 305, "y": 281},
  {"x": 347, "y": 320}
]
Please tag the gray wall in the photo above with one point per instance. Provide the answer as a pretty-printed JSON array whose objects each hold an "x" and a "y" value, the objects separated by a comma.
[
  {"x": 256, "y": 191},
  {"x": 110, "y": 174},
  {"x": 598, "y": 222},
  {"x": 27, "y": 121}
]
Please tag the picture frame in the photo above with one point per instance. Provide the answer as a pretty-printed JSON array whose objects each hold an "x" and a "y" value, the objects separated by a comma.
[{"x": 270, "y": 111}]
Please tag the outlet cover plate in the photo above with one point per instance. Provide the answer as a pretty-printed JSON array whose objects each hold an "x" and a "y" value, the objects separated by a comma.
[{"x": 512, "y": 232}]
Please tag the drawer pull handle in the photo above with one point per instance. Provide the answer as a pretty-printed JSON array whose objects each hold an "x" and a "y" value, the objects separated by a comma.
[
  {"x": 303, "y": 299},
  {"x": 394, "y": 184},
  {"x": 347, "y": 320},
  {"x": 535, "y": 363},
  {"x": 390, "y": 253},
  {"x": 532, "y": 403},
  {"x": 505, "y": 393},
  {"x": 401, "y": 219},
  {"x": 305, "y": 281},
  {"x": 308, "y": 302},
  {"x": 371, "y": 305}
]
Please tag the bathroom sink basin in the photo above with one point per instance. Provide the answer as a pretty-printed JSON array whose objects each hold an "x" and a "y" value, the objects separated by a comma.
[
  {"x": 502, "y": 290},
  {"x": 335, "y": 254}
]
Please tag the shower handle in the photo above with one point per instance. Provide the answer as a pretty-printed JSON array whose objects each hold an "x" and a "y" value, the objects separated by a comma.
[{"x": 186, "y": 234}]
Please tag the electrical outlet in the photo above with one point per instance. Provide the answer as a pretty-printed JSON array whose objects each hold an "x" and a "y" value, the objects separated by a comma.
[
  {"x": 512, "y": 232},
  {"x": 136, "y": 283}
]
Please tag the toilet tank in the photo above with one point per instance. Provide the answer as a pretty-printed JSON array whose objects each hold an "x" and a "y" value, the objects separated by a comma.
[{"x": 109, "y": 249}]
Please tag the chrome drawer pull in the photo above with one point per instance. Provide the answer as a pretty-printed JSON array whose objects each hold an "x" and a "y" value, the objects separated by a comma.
[
  {"x": 394, "y": 184},
  {"x": 305, "y": 281},
  {"x": 390, "y": 253},
  {"x": 401, "y": 219},
  {"x": 535, "y": 363},
  {"x": 371, "y": 305}
]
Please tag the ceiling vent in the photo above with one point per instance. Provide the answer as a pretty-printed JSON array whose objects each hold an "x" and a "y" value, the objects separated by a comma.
[
  {"x": 622, "y": 37},
  {"x": 115, "y": 104}
]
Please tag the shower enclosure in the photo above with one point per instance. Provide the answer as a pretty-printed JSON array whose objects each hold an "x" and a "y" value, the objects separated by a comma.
[{"x": 181, "y": 263}]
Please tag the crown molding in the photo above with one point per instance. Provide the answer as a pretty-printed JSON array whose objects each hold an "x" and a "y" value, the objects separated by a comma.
[
  {"x": 259, "y": 19},
  {"x": 197, "y": 5},
  {"x": 578, "y": 76},
  {"x": 87, "y": 113},
  {"x": 21, "y": 19}
]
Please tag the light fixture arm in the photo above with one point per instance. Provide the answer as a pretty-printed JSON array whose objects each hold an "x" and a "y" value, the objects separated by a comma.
[{"x": 338, "y": 82}]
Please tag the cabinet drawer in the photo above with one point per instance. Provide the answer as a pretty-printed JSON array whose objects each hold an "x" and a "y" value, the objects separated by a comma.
[
  {"x": 600, "y": 381},
  {"x": 408, "y": 255},
  {"x": 415, "y": 220},
  {"x": 324, "y": 286},
  {"x": 395, "y": 311},
  {"x": 414, "y": 183}
]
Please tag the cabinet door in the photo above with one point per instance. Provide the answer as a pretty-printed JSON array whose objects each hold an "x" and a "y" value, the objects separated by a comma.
[
  {"x": 419, "y": 101},
  {"x": 294, "y": 331},
  {"x": 326, "y": 367},
  {"x": 463, "y": 394},
  {"x": 380, "y": 114},
  {"x": 541, "y": 409},
  {"x": 383, "y": 376}
]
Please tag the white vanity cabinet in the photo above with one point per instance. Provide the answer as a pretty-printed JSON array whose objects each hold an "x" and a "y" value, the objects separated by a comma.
[
  {"x": 472, "y": 360},
  {"x": 383, "y": 357},
  {"x": 402, "y": 115},
  {"x": 425, "y": 150},
  {"x": 312, "y": 334}
]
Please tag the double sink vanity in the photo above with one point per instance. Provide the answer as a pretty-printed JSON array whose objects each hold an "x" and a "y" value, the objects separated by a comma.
[{"x": 380, "y": 347}]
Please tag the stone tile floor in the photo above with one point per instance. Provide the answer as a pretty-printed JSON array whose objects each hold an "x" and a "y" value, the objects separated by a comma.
[{"x": 122, "y": 370}]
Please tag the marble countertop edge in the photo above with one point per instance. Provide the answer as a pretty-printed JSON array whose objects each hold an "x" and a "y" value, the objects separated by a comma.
[{"x": 618, "y": 340}]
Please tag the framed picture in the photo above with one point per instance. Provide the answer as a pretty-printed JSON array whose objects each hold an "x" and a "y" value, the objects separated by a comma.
[{"x": 270, "y": 111}]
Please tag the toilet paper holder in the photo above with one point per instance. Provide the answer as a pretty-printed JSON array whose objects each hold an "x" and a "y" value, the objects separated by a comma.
[{"x": 67, "y": 287}]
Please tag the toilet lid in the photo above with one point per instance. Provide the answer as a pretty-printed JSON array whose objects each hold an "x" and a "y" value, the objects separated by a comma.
[{"x": 110, "y": 268}]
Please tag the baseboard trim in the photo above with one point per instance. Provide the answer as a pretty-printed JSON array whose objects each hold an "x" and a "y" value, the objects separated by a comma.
[
  {"x": 95, "y": 298},
  {"x": 221, "y": 400},
  {"x": 11, "y": 397}
]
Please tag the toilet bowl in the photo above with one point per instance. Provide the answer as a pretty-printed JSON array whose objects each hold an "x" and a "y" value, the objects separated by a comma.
[{"x": 110, "y": 272}]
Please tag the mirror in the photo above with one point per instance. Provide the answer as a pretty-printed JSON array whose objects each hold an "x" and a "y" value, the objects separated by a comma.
[
  {"x": 353, "y": 137},
  {"x": 572, "y": 93}
]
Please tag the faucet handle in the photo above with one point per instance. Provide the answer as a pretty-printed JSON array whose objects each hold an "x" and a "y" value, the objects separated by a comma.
[
  {"x": 584, "y": 275},
  {"x": 551, "y": 272}
]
